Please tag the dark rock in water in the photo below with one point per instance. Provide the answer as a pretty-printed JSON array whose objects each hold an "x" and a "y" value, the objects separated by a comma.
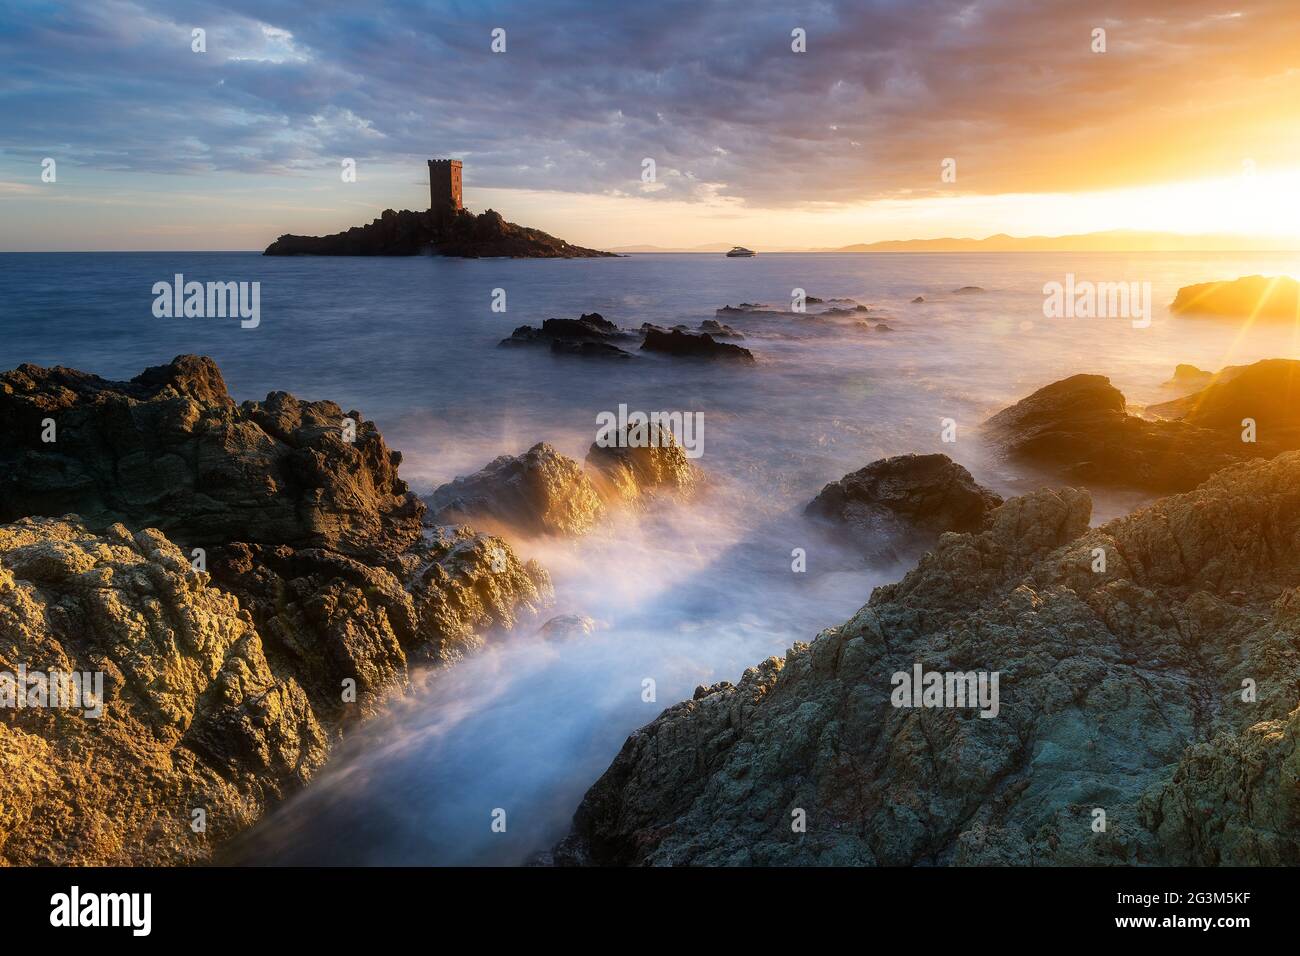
[
  {"x": 718, "y": 330},
  {"x": 590, "y": 335},
  {"x": 538, "y": 492},
  {"x": 1079, "y": 427},
  {"x": 643, "y": 464},
  {"x": 1118, "y": 689},
  {"x": 409, "y": 233},
  {"x": 170, "y": 450},
  {"x": 836, "y": 312},
  {"x": 898, "y": 502},
  {"x": 710, "y": 326},
  {"x": 882, "y": 327},
  {"x": 813, "y": 300},
  {"x": 685, "y": 345},
  {"x": 303, "y": 596},
  {"x": 967, "y": 290},
  {"x": 918, "y": 299},
  {"x": 1257, "y": 297}
]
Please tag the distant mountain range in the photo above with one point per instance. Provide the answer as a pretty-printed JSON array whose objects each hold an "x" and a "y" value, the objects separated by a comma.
[{"x": 1115, "y": 240}]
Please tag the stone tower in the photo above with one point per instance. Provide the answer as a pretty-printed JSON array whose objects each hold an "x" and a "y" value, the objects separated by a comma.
[{"x": 444, "y": 186}]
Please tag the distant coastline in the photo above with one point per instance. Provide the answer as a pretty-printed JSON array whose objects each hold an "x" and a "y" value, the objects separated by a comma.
[{"x": 1115, "y": 240}]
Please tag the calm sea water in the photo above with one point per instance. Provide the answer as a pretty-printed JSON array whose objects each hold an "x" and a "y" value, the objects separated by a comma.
[{"x": 686, "y": 595}]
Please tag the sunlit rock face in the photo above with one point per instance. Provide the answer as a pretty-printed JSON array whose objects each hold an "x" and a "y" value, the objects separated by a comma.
[
  {"x": 1250, "y": 297},
  {"x": 538, "y": 492},
  {"x": 636, "y": 468},
  {"x": 193, "y": 715},
  {"x": 1266, "y": 395},
  {"x": 1147, "y": 706}
]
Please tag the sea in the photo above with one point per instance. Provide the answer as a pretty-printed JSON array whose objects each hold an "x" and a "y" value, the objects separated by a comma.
[{"x": 484, "y": 763}]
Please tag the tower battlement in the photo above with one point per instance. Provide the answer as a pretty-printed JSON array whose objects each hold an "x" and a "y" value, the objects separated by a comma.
[{"x": 444, "y": 186}]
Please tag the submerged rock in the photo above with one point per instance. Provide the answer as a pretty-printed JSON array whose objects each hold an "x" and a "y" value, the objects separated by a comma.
[
  {"x": 918, "y": 299},
  {"x": 1256, "y": 297},
  {"x": 967, "y": 290},
  {"x": 1119, "y": 689},
  {"x": 538, "y": 492},
  {"x": 569, "y": 626},
  {"x": 902, "y": 501},
  {"x": 684, "y": 345}
]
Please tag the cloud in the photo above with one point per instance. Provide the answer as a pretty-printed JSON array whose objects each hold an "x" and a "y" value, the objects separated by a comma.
[{"x": 711, "y": 92}]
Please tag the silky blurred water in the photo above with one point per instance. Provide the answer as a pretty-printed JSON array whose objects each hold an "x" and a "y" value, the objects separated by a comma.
[{"x": 686, "y": 595}]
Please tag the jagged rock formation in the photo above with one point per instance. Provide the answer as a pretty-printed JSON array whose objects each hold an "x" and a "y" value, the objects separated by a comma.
[
  {"x": 538, "y": 492},
  {"x": 1079, "y": 428},
  {"x": 410, "y": 233},
  {"x": 685, "y": 345},
  {"x": 170, "y": 450},
  {"x": 902, "y": 501},
  {"x": 295, "y": 591},
  {"x": 1121, "y": 690},
  {"x": 1256, "y": 297}
]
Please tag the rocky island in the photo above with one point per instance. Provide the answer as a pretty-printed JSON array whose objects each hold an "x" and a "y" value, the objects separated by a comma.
[{"x": 446, "y": 228}]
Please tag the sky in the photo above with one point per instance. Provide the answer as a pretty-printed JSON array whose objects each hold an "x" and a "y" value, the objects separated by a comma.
[{"x": 1188, "y": 121}]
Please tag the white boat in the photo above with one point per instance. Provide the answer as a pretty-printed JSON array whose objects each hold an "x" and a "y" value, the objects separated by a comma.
[{"x": 740, "y": 252}]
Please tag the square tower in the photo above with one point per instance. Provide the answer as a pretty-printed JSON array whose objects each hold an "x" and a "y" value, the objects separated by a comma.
[{"x": 444, "y": 185}]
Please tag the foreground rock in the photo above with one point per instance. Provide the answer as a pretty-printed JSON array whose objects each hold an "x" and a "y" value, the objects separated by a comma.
[
  {"x": 1078, "y": 427},
  {"x": 411, "y": 233},
  {"x": 1258, "y": 297},
  {"x": 685, "y": 345},
  {"x": 290, "y": 599},
  {"x": 193, "y": 716},
  {"x": 538, "y": 492},
  {"x": 1119, "y": 690},
  {"x": 903, "y": 501}
]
